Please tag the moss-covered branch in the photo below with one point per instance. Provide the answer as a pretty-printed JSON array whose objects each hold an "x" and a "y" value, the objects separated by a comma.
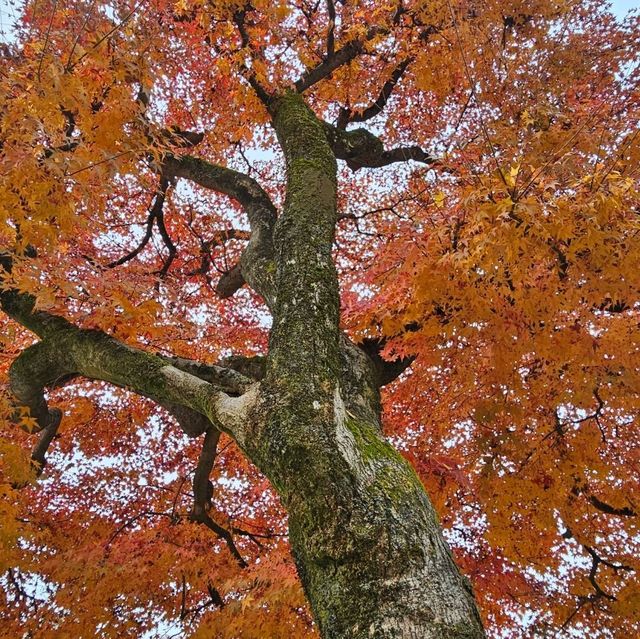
[{"x": 196, "y": 394}]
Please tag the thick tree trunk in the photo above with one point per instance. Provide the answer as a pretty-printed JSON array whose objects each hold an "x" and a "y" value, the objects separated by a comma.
[{"x": 364, "y": 535}]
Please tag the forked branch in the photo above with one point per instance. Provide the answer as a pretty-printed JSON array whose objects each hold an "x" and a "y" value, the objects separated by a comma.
[
  {"x": 335, "y": 60},
  {"x": 203, "y": 492},
  {"x": 256, "y": 264},
  {"x": 66, "y": 351},
  {"x": 361, "y": 148}
]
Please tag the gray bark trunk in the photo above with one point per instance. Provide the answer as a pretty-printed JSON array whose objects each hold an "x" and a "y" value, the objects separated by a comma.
[{"x": 366, "y": 540}]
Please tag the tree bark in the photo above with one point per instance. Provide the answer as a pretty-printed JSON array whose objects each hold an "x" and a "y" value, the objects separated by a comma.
[{"x": 366, "y": 539}]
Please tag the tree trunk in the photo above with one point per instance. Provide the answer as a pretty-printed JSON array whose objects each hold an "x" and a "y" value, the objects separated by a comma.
[{"x": 365, "y": 538}]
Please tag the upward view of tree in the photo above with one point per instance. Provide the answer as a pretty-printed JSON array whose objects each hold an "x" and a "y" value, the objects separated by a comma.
[{"x": 320, "y": 319}]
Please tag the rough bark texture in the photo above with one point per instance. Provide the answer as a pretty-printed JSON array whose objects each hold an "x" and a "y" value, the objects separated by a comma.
[{"x": 366, "y": 540}]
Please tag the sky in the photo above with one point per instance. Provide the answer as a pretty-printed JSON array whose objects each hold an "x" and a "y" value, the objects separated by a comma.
[{"x": 621, "y": 7}]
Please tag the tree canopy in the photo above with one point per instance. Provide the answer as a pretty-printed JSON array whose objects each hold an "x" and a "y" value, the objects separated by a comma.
[{"x": 487, "y": 245}]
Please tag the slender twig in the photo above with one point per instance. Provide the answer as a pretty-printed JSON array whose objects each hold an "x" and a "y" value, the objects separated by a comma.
[
  {"x": 94, "y": 164},
  {"x": 154, "y": 212},
  {"x": 46, "y": 38},
  {"x": 88, "y": 16},
  {"x": 108, "y": 34},
  {"x": 331, "y": 10},
  {"x": 483, "y": 126}
]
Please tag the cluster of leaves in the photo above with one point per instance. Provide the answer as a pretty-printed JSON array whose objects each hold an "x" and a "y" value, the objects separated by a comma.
[{"x": 509, "y": 268}]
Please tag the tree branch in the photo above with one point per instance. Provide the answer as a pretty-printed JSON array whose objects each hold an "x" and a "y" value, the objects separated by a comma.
[
  {"x": 229, "y": 377},
  {"x": 66, "y": 351},
  {"x": 230, "y": 281},
  {"x": 361, "y": 148},
  {"x": 155, "y": 214},
  {"x": 203, "y": 492},
  {"x": 343, "y": 56},
  {"x": 611, "y": 510},
  {"x": 331, "y": 10},
  {"x": 38, "y": 455},
  {"x": 219, "y": 238},
  {"x": 347, "y": 116},
  {"x": 257, "y": 262},
  {"x": 168, "y": 242},
  {"x": 248, "y": 74},
  {"x": 386, "y": 371},
  {"x": 596, "y": 561}
]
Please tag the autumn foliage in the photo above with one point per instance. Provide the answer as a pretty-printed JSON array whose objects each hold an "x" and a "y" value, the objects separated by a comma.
[{"x": 505, "y": 259}]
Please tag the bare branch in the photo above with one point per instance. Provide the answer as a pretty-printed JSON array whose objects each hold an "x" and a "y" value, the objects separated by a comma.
[
  {"x": 611, "y": 510},
  {"x": 155, "y": 213},
  {"x": 347, "y": 116},
  {"x": 257, "y": 260},
  {"x": 203, "y": 492},
  {"x": 361, "y": 148},
  {"x": 343, "y": 56},
  {"x": 248, "y": 74},
  {"x": 596, "y": 561}
]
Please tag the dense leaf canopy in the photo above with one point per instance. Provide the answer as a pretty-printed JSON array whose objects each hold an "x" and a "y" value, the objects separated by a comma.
[{"x": 495, "y": 239}]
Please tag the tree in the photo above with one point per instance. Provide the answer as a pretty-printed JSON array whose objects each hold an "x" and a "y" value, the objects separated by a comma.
[{"x": 425, "y": 210}]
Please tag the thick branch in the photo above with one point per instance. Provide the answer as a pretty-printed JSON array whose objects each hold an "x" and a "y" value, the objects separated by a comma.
[
  {"x": 229, "y": 377},
  {"x": 230, "y": 281},
  {"x": 386, "y": 371},
  {"x": 611, "y": 510},
  {"x": 360, "y": 148},
  {"x": 256, "y": 263},
  {"x": 66, "y": 350},
  {"x": 190, "y": 421},
  {"x": 33, "y": 370},
  {"x": 202, "y": 486},
  {"x": 251, "y": 367},
  {"x": 331, "y": 10},
  {"x": 343, "y": 56}
]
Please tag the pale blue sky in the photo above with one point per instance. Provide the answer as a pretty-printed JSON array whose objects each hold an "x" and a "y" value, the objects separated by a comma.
[{"x": 622, "y": 6}]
